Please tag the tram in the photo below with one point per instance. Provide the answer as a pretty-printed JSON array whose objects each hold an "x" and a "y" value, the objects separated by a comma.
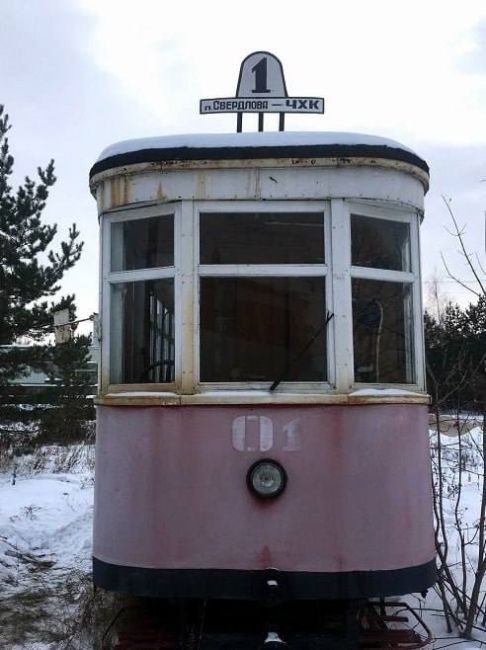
[{"x": 262, "y": 417}]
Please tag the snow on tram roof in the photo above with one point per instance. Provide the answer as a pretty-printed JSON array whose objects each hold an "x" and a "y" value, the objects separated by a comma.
[
  {"x": 197, "y": 146},
  {"x": 266, "y": 139}
]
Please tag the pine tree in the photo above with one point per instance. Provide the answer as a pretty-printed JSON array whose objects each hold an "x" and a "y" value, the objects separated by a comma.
[
  {"x": 70, "y": 412},
  {"x": 456, "y": 356},
  {"x": 29, "y": 270}
]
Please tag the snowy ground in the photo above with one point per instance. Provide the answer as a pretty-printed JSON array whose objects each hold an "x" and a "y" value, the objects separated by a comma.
[
  {"x": 45, "y": 545},
  {"x": 461, "y": 499}
]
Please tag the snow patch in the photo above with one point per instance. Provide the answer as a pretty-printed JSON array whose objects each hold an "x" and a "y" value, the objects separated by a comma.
[
  {"x": 45, "y": 546},
  {"x": 265, "y": 139},
  {"x": 394, "y": 392},
  {"x": 48, "y": 514}
]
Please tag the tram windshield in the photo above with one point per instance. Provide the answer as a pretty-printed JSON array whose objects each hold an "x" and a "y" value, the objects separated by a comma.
[
  {"x": 257, "y": 329},
  {"x": 262, "y": 288},
  {"x": 262, "y": 238}
]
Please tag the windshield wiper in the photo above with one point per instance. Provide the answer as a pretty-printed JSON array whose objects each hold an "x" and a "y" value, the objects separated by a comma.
[{"x": 302, "y": 352}]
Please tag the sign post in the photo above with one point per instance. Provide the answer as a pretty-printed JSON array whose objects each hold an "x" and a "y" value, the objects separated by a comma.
[
  {"x": 261, "y": 89},
  {"x": 62, "y": 326}
]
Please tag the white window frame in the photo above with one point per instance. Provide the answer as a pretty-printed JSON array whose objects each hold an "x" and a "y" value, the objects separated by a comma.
[
  {"x": 412, "y": 278},
  {"x": 337, "y": 272},
  {"x": 265, "y": 270},
  {"x": 110, "y": 278}
]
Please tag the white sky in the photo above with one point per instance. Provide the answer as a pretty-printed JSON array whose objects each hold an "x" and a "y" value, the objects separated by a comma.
[{"x": 78, "y": 75}]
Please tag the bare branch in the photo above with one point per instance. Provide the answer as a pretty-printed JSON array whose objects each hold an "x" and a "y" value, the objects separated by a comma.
[
  {"x": 478, "y": 262},
  {"x": 463, "y": 247},
  {"x": 456, "y": 279}
]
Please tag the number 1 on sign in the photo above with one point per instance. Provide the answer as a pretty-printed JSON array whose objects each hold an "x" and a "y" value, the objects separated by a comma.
[{"x": 260, "y": 70}]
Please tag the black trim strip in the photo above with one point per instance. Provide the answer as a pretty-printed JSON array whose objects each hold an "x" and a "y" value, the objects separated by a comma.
[
  {"x": 342, "y": 151},
  {"x": 252, "y": 585}
]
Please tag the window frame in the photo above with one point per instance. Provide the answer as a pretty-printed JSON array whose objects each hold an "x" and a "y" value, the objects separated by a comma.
[
  {"x": 110, "y": 278},
  {"x": 264, "y": 270},
  {"x": 337, "y": 272},
  {"x": 412, "y": 278}
]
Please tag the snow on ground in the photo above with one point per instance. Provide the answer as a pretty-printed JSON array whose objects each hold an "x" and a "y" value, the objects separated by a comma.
[
  {"x": 45, "y": 543},
  {"x": 48, "y": 517},
  {"x": 45, "y": 546},
  {"x": 462, "y": 469}
]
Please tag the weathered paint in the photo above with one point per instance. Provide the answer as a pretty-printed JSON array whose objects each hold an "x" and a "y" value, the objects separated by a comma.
[
  {"x": 171, "y": 491},
  {"x": 319, "y": 180},
  {"x": 264, "y": 163},
  {"x": 119, "y": 187},
  {"x": 227, "y": 398}
]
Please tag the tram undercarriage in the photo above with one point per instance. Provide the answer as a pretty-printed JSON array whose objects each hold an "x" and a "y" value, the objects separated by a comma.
[{"x": 237, "y": 625}]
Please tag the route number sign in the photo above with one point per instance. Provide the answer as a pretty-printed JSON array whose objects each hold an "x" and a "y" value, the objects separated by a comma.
[{"x": 262, "y": 89}]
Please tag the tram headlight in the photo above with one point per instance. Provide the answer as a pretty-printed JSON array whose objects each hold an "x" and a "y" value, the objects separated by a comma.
[{"x": 266, "y": 478}]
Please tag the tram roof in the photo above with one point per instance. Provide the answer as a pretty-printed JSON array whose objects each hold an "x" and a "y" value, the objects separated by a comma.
[{"x": 245, "y": 146}]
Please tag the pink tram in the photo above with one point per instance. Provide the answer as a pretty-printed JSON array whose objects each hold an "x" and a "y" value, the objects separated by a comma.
[{"x": 262, "y": 416}]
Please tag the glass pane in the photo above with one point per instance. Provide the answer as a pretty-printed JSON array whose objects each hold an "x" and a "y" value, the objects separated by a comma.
[
  {"x": 142, "y": 332},
  {"x": 263, "y": 329},
  {"x": 380, "y": 243},
  {"x": 383, "y": 332},
  {"x": 142, "y": 244},
  {"x": 262, "y": 238}
]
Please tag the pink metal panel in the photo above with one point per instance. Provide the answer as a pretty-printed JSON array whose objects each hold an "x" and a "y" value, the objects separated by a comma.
[{"x": 171, "y": 487}]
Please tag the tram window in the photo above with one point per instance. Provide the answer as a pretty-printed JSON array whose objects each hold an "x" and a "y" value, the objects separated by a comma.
[
  {"x": 142, "y": 332},
  {"x": 142, "y": 243},
  {"x": 263, "y": 329},
  {"x": 382, "y": 331},
  {"x": 380, "y": 243},
  {"x": 262, "y": 238}
]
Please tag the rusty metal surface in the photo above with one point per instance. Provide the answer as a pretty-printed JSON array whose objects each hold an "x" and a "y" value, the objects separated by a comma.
[
  {"x": 133, "y": 628},
  {"x": 163, "y": 166},
  {"x": 320, "y": 181},
  {"x": 393, "y": 624},
  {"x": 381, "y": 626}
]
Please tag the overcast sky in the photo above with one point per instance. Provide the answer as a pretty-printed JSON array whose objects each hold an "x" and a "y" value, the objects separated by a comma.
[{"x": 78, "y": 75}]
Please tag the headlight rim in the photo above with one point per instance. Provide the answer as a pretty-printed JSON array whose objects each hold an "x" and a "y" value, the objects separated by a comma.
[{"x": 272, "y": 495}]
